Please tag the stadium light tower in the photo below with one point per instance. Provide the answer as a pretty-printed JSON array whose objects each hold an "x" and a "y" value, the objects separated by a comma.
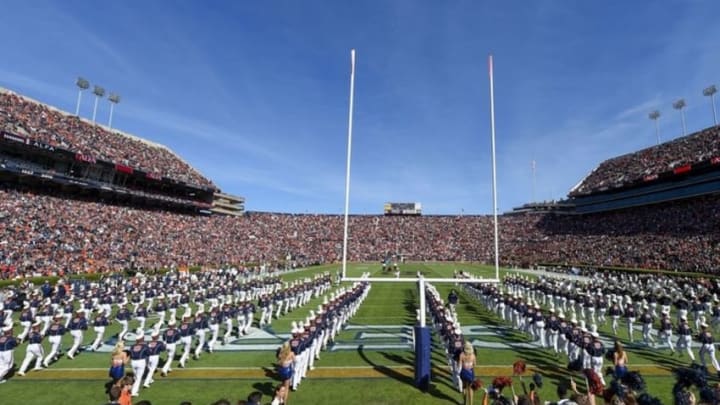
[
  {"x": 680, "y": 105},
  {"x": 98, "y": 92},
  {"x": 710, "y": 92},
  {"x": 655, "y": 116},
  {"x": 113, "y": 99},
  {"x": 82, "y": 85}
]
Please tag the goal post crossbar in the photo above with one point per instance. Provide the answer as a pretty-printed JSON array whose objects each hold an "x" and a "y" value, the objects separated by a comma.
[
  {"x": 416, "y": 280},
  {"x": 421, "y": 285}
]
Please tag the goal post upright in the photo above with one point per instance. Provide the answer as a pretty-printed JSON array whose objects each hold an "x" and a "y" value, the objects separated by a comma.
[
  {"x": 347, "y": 168},
  {"x": 423, "y": 342}
]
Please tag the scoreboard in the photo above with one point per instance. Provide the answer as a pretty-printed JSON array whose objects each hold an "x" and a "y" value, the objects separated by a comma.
[{"x": 403, "y": 209}]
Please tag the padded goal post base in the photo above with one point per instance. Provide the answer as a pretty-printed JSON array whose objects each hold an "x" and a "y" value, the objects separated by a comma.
[{"x": 423, "y": 349}]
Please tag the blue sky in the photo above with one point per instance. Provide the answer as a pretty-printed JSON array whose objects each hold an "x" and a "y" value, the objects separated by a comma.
[{"x": 255, "y": 94}]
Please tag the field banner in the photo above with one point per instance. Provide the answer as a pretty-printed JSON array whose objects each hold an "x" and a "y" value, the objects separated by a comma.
[
  {"x": 682, "y": 169},
  {"x": 123, "y": 168}
]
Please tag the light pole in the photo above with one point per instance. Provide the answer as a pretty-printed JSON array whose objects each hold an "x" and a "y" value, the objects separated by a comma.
[
  {"x": 98, "y": 92},
  {"x": 655, "y": 115},
  {"x": 710, "y": 92},
  {"x": 679, "y": 105},
  {"x": 113, "y": 99},
  {"x": 82, "y": 85}
]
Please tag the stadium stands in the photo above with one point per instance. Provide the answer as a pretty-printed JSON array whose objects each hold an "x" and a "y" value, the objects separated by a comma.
[
  {"x": 31, "y": 120},
  {"x": 119, "y": 224},
  {"x": 676, "y": 156},
  {"x": 42, "y": 234}
]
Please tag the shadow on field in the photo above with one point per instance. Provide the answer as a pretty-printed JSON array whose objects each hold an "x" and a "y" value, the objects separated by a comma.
[
  {"x": 271, "y": 372},
  {"x": 390, "y": 373},
  {"x": 663, "y": 360},
  {"x": 267, "y": 388},
  {"x": 410, "y": 305},
  {"x": 398, "y": 359}
]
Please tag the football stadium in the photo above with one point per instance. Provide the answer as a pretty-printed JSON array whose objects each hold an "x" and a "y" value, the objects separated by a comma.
[{"x": 128, "y": 276}]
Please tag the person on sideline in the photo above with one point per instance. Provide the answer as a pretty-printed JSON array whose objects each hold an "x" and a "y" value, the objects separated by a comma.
[
  {"x": 118, "y": 360},
  {"x": 620, "y": 359},
  {"x": 285, "y": 359},
  {"x": 467, "y": 372}
]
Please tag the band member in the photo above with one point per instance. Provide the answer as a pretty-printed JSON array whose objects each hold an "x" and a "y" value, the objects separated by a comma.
[
  {"x": 34, "y": 349},
  {"x": 685, "y": 337},
  {"x": 707, "y": 346}
]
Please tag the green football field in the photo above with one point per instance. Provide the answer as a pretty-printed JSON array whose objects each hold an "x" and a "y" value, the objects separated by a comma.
[{"x": 370, "y": 362}]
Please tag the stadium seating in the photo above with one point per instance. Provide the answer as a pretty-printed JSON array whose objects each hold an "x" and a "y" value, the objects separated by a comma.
[
  {"x": 651, "y": 162},
  {"x": 38, "y": 122},
  {"x": 42, "y": 234},
  {"x": 56, "y": 233}
]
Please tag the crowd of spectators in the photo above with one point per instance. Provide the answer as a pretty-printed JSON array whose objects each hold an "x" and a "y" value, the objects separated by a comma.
[
  {"x": 38, "y": 122},
  {"x": 625, "y": 169},
  {"x": 44, "y": 234}
]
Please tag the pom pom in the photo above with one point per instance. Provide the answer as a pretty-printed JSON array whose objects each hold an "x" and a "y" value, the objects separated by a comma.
[
  {"x": 634, "y": 381},
  {"x": 708, "y": 395},
  {"x": 681, "y": 395},
  {"x": 618, "y": 389},
  {"x": 538, "y": 380},
  {"x": 694, "y": 375},
  {"x": 501, "y": 382},
  {"x": 476, "y": 385},
  {"x": 519, "y": 367},
  {"x": 647, "y": 399},
  {"x": 594, "y": 383}
]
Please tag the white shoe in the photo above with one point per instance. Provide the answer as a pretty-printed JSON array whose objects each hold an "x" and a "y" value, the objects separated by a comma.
[
  {"x": 146, "y": 385},
  {"x": 21, "y": 373}
]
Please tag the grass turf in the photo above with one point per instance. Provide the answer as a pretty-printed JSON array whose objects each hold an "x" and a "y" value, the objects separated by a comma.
[{"x": 358, "y": 376}]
